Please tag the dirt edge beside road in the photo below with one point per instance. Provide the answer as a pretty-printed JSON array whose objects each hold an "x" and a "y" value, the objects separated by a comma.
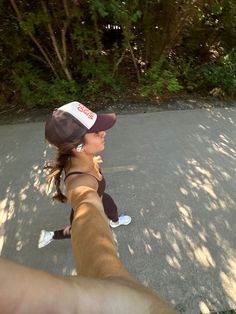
[{"x": 14, "y": 115}]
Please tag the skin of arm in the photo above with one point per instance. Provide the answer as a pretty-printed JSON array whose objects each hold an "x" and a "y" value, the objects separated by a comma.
[{"x": 102, "y": 285}]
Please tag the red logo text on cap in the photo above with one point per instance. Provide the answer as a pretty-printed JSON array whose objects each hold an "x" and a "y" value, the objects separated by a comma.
[{"x": 86, "y": 111}]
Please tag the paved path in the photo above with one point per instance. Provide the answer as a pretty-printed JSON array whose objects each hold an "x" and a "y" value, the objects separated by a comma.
[{"x": 174, "y": 172}]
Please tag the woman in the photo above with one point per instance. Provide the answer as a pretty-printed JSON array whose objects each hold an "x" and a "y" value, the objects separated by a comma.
[{"x": 79, "y": 134}]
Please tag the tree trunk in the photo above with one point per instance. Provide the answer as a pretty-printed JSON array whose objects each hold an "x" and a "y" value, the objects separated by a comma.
[
  {"x": 62, "y": 57},
  {"x": 34, "y": 39},
  {"x": 134, "y": 61}
]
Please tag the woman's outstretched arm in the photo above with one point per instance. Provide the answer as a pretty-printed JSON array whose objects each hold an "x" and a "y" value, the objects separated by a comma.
[{"x": 103, "y": 284}]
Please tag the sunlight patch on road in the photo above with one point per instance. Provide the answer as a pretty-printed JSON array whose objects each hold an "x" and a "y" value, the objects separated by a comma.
[
  {"x": 173, "y": 262},
  {"x": 203, "y": 307},
  {"x": 229, "y": 285},
  {"x": 203, "y": 256},
  {"x": 130, "y": 250},
  {"x": 119, "y": 169},
  {"x": 185, "y": 214},
  {"x": 156, "y": 235},
  {"x": 3, "y": 218}
]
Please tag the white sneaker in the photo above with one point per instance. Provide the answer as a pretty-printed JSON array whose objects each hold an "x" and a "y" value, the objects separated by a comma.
[
  {"x": 123, "y": 220},
  {"x": 45, "y": 238}
]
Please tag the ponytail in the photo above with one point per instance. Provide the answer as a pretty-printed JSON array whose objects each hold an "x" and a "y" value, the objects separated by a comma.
[
  {"x": 55, "y": 175},
  {"x": 56, "y": 167}
]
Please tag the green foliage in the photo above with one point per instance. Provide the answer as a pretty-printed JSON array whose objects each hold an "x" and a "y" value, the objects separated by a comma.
[
  {"x": 221, "y": 75},
  {"x": 99, "y": 43},
  {"x": 188, "y": 73},
  {"x": 136, "y": 16},
  {"x": 32, "y": 20},
  {"x": 100, "y": 7},
  {"x": 37, "y": 92},
  {"x": 84, "y": 41},
  {"x": 98, "y": 78},
  {"x": 159, "y": 79},
  {"x": 216, "y": 77}
]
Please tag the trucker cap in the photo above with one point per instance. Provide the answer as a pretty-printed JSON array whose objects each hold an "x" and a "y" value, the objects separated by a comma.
[{"x": 70, "y": 122}]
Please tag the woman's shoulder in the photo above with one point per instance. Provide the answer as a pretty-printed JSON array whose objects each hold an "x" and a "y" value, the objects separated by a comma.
[
  {"x": 80, "y": 187},
  {"x": 77, "y": 182}
]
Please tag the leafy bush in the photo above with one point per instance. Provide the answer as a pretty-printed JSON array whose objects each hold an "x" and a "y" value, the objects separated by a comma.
[
  {"x": 188, "y": 73},
  {"x": 97, "y": 78},
  {"x": 159, "y": 79},
  {"x": 221, "y": 75},
  {"x": 37, "y": 92}
]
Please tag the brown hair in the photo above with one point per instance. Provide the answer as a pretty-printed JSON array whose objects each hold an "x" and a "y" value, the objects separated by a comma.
[{"x": 57, "y": 166}]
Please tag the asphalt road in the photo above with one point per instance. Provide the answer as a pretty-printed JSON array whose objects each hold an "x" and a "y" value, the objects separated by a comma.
[{"x": 174, "y": 172}]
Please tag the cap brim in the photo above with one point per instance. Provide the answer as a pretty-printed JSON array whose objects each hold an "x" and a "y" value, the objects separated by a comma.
[{"x": 104, "y": 122}]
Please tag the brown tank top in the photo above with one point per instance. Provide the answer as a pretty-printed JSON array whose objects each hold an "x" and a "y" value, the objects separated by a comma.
[{"x": 101, "y": 183}]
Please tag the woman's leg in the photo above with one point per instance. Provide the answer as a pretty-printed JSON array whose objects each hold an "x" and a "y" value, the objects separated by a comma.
[
  {"x": 47, "y": 237},
  {"x": 110, "y": 207},
  {"x": 64, "y": 233},
  {"x": 111, "y": 211}
]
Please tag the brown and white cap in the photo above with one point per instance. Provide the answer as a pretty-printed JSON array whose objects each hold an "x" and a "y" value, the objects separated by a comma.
[{"x": 70, "y": 122}]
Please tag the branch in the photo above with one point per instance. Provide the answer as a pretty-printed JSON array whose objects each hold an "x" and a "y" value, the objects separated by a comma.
[
  {"x": 134, "y": 61},
  {"x": 55, "y": 45},
  {"x": 66, "y": 8},
  {"x": 53, "y": 38},
  {"x": 63, "y": 40},
  {"x": 34, "y": 39},
  {"x": 118, "y": 62},
  {"x": 19, "y": 17},
  {"x": 64, "y": 30}
]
